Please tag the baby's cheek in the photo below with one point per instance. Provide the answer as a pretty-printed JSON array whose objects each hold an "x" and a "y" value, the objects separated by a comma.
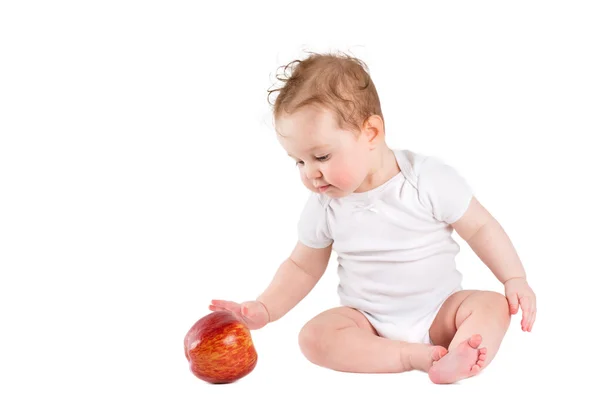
[
  {"x": 305, "y": 181},
  {"x": 342, "y": 177}
]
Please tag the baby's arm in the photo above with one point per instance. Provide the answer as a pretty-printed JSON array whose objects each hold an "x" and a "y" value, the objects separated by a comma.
[
  {"x": 294, "y": 279},
  {"x": 489, "y": 241},
  {"x": 492, "y": 245}
]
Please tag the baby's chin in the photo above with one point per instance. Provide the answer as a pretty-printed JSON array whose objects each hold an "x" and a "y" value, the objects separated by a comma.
[
  {"x": 331, "y": 191},
  {"x": 334, "y": 192}
]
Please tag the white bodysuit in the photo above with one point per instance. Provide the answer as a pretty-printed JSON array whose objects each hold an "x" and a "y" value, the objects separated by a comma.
[{"x": 396, "y": 256}]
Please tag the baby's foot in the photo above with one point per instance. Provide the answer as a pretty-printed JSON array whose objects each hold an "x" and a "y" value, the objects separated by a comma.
[
  {"x": 437, "y": 353},
  {"x": 462, "y": 362},
  {"x": 423, "y": 357}
]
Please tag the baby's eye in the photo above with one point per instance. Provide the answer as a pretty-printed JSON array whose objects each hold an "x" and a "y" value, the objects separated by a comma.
[
  {"x": 323, "y": 158},
  {"x": 299, "y": 162}
]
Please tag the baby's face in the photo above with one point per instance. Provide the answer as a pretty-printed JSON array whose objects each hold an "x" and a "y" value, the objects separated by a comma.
[{"x": 331, "y": 160}]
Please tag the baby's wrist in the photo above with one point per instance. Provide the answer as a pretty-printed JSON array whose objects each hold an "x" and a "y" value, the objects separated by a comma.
[
  {"x": 266, "y": 309},
  {"x": 515, "y": 278}
]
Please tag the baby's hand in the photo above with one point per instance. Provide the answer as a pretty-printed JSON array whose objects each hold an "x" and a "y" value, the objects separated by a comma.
[
  {"x": 253, "y": 313},
  {"x": 517, "y": 292}
]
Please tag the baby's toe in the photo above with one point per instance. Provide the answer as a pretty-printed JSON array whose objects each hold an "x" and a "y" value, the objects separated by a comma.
[
  {"x": 438, "y": 353},
  {"x": 474, "y": 341}
]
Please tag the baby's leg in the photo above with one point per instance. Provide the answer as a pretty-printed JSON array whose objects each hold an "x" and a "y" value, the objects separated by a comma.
[
  {"x": 472, "y": 324},
  {"x": 343, "y": 339}
]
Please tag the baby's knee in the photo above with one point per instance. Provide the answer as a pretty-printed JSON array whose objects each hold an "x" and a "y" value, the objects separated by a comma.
[
  {"x": 311, "y": 340},
  {"x": 496, "y": 304}
]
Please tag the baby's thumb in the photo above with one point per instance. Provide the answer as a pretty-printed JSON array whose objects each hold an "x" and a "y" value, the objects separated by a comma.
[
  {"x": 252, "y": 309},
  {"x": 513, "y": 303}
]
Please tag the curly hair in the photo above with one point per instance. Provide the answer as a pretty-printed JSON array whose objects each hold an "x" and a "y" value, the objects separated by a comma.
[{"x": 338, "y": 82}]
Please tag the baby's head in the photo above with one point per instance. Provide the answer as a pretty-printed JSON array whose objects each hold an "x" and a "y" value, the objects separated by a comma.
[{"x": 328, "y": 119}]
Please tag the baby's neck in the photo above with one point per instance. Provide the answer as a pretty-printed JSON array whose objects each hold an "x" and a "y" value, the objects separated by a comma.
[{"x": 384, "y": 167}]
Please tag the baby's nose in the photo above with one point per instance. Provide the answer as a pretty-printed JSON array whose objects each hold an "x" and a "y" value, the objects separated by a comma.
[{"x": 313, "y": 173}]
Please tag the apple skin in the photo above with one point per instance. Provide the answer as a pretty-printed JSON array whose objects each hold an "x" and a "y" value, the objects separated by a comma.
[{"x": 219, "y": 348}]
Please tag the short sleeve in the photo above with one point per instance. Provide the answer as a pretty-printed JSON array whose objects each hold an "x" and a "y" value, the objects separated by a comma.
[
  {"x": 443, "y": 190},
  {"x": 313, "y": 228}
]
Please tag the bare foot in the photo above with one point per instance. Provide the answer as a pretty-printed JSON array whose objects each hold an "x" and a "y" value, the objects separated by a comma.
[
  {"x": 425, "y": 357},
  {"x": 437, "y": 353},
  {"x": 462, "y": 362}
]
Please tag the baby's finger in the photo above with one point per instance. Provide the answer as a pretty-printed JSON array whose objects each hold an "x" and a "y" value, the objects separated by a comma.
[
  {"x": 247, "y": 310},
  {"x": 233, "y": 312},
  {"x": 229, "y": 305},
  {"x": 215, "y": 308},
  {"x": 513, "y": 303},
  {"x": 526, "y": 307},
  {"x": 533, "y": 320}
]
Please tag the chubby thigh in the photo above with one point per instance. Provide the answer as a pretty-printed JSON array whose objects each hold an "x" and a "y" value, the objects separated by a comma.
[
  {"x": 334, "y": 319},
  {"x": 343, "y": 339}
]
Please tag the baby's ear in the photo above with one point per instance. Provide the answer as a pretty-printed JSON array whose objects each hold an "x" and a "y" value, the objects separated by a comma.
[{"x": 373, "y": 128}]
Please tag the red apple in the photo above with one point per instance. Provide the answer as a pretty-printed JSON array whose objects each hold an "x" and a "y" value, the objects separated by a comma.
[{"x": 219, "y": 348}]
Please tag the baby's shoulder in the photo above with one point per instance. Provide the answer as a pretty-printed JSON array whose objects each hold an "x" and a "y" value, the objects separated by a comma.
[
  {"x": 315, "y": 206},
  {"x": 417, "y": 167},
  {"x": 439, "y": 186}
]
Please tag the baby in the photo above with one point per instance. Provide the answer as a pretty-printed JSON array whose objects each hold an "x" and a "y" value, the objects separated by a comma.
[{"x": 389, "y": 215}]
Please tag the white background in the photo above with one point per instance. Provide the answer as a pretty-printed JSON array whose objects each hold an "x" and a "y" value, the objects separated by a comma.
[{"x": 140, "y": 178}]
